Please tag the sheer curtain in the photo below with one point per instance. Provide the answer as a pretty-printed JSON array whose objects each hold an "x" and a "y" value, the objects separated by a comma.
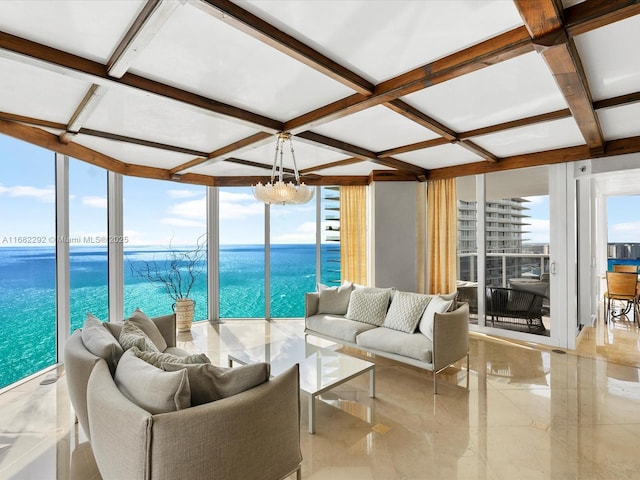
[
  {"x": 353, "y": 233},
  {"x": 442, "y": 231}
]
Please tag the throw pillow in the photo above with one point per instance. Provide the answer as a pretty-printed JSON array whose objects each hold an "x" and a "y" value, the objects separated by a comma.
[
  {"x": 368, "y": 307},
  {"x": 405, "y": 311},
  {"x": 436, "y": 305},
  {"x": 92, "y": 321},
  {"x": 209, "y": 383},
  {"x": 334, "y": 300},
  {"x": 450, "y": 296},
  {"x": 133, "y": 336},
  {"x": 158, "y": 358},
  {"x": 99, "y": 341},
  {"x": 144, "y": 323},
  {"x": 151, "y": 388}
]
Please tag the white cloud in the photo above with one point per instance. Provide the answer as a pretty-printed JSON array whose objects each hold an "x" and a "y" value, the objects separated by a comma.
[
  {"x": 46, "y": 195},
  {"x": 97, "y": 202},
  {"x": 226, "y": 196},
  {"x": 539, "y": 230},
  {"x": 304, "y": 233},
  {"x": 184, "y": 193},
  {"x": 235, "y": 209},
  {"x": 183, "y": 222},
  {"x": 191, "y": 209},
  {"x": 624, "y": 232}
]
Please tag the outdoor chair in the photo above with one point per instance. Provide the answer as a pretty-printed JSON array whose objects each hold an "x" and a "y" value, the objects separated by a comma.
[
  {"x": 623, "y": 287},
  {"x": 508, "y": 305}
]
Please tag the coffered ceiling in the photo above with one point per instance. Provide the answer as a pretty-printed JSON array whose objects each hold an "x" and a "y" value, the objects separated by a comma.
[{"x": 194, "y": 90}]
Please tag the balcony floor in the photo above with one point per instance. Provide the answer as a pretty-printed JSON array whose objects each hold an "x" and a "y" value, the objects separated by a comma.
[{"x": 529, "y": 413}]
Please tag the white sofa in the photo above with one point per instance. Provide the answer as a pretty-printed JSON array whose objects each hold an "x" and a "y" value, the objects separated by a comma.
[
  {"x": 426, "y": 331},
  {"x": 253, "y": 434}
]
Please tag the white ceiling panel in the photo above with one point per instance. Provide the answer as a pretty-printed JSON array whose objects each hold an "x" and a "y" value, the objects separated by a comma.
[
  {"x": 27, "y": 89},
  {"x": 88, "y": 29},
  {"x": 157, "y": 119},
  {"x": 228, "y": 169},
  {"x": 358, "y": 169},
  {"x": 513, "y": 89},
  {"x": 383, "y": 129},
  {"x": 611, "y": 57},
  {"x": 370, "y": 37},
  {"x": 620, "y": 122},
  {"x": 440, "y": 156},
  {"x": 134, "y": 154},
  {"x": 541, "y": 136},
  {"x": 198, "y": 53}
]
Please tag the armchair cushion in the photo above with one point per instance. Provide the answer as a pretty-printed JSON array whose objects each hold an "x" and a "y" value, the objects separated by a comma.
[
  {"x": 99, "y": 341},
  {"x": 158, "y": 358},
  {"x": 133, "y": 336},
  {"x": 209, "y": 383},
  {"x": 144, "y": 323},
  {"x": 151, "y": 388}
]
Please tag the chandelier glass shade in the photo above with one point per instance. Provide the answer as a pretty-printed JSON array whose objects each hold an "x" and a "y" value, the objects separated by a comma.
[{"x": 277, "y": 191}]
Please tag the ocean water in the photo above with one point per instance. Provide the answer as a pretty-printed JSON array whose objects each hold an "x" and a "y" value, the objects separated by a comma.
[{"x": 27, "y": 290}]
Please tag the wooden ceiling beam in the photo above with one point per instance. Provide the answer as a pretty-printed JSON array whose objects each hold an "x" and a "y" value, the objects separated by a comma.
[
  {"x": 543, "y": 19},
  {"x": 523, "y": 122},
  {"x": 11, "y": 117},
  {"x": 136, "y": 141},
  {"x": 412, "y": 113},
  {"x": 478, "y": 150},
  {"x": 339, "y": 163},
  {"x": 592, "y": 14},
  {"x": 618, "y": 101},
  {"x": 47, "y": 140},
  {"x": 436, "y": 142},
  {"x": 219, "y": 154},
  {"x": 237, "y": 17}
]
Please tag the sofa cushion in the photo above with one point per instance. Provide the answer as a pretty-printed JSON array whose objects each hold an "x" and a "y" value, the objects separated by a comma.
[
  {"x": 158, "y": 358},
  {"x": 209, "y": 383},
  {"x": 99, "y": 341},
  {"x": 436, "y": 305},
  {"x": 405, "y": 311},
  {"x": 412, "y": 345},
  {"x": 366, "y": 288},
  {"x": 151, "y": 388},
  {"x": 337, "y": 327},
  {"x": 334, "y": 300},
  {"x": 144, "y": 323},
  {"x": 368, "y": 307},
  {"x": 132, "y": 336},
  {"x": 115, "y": 328}
]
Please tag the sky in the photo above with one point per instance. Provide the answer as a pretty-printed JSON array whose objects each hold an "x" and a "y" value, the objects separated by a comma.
[{"x": 159, "y": 213}]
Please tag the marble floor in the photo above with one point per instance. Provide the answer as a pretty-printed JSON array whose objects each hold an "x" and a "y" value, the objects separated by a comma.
[{"x": 529, "y": 412}]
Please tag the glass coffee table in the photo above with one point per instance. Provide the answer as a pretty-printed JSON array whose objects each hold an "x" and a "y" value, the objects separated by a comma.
[{"x": 321, "y": 369}]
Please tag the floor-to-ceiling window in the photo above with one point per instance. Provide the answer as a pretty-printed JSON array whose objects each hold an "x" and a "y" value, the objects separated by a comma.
[
  {"x": 242, "y": 254},
  {"x": 88, "y": 262},
  {"x": 163, "y": 222},
  {"x": 467, "y": 262},
  {"x": 517, "y": 250},
  {"x": 293, "y": 258},
  {"x": 27, "y": 260}
]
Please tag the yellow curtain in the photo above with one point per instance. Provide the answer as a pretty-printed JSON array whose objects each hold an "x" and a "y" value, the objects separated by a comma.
[
  {"x": 353, "y": 233},
  {"x": 442, "y": 231}
]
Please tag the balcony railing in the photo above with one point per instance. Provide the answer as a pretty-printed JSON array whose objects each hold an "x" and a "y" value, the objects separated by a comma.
[{"x": 505, "y": 269}]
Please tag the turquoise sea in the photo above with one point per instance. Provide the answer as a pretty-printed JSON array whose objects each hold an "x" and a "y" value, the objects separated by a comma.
[{"x": 27, "y": 290}]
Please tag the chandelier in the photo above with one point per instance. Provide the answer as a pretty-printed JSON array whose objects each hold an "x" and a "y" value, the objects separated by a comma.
[{"x": 277, "y": 191}]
